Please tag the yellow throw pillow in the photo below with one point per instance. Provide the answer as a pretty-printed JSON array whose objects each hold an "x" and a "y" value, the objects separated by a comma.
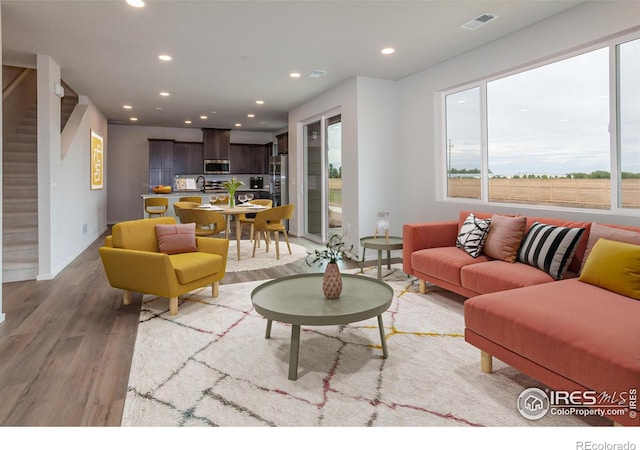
[{"x": 614, "y": 266}]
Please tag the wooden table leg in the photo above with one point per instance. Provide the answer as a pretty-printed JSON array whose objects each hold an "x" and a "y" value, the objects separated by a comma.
[
  {"x": 293, "y": 352},
  {"x": 238, "y": 236},
  {"x": 382, "y": 338}
]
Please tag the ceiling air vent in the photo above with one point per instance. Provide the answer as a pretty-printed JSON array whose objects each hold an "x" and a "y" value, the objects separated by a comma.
[
  {"x": 479, "y": 21},
  {"x": 317, "y": 73}
]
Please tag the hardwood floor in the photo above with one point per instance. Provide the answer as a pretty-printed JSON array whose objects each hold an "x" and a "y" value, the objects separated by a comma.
[{"x": 66, "y": 344}]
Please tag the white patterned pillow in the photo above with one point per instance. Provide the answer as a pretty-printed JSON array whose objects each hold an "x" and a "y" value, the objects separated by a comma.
[
  {"x": 472, "y": 235},
  {"x": 549, "y": 248}
]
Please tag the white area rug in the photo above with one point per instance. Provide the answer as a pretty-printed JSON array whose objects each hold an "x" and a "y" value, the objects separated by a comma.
[
  {"x": 211, "y": 366},
  {"x": 263, "y": 259}
]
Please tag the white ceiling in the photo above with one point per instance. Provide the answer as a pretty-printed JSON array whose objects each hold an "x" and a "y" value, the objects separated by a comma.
[{"x": 228, "y": 54}]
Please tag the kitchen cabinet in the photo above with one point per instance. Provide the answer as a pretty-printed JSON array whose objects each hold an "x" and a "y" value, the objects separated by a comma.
[
  {"x": 216, "y": 143},
  {"x": 188, "y": 158},
  {"x": 248, "y": 158},
  {"x": 283, "y": 143},
  {"x": 160, "y": 162}
]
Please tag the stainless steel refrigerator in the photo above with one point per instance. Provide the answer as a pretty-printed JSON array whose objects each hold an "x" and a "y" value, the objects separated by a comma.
[{"x": 279, "y": 187}]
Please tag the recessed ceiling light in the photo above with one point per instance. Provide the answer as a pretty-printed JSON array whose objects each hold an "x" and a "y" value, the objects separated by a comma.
[
  {"x": 388, "y": 51},
  {"x": 133, "y": 119},
  {"x": 294, "y": 75},
  {"x": 127, "y": 106},
  {"x": 213, "y": 112},
  {"x": 260, "y": 102},
  {"x": 203, "y": 117},
  {"x": 165, "y": 57},
  {"x": 159, "y": 108},
  {"x": 251, "y": 115},
  {"x": 135, "y": 3},
  {"x": 164, "y": 94},
  {"x": 187, "y": 122},
  {"x": 238, "y": 124}
]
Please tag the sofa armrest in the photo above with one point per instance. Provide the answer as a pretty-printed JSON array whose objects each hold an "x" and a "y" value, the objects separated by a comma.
[
  {"x": 422, "y": 235},
  {"x": 217, "y": 246},
  {"x": 139, "y": 271}
]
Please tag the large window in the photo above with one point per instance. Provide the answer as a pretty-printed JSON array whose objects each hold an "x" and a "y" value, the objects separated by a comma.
[
  {"x": 542, "y": 136},
  {"x": 629, "y": 128}
]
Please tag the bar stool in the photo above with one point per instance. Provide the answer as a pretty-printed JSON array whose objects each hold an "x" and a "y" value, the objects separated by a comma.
[{"x": 156, "y": 206}]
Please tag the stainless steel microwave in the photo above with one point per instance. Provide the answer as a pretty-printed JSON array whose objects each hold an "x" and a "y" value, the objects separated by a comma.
[{"x": 216, "y": 166}]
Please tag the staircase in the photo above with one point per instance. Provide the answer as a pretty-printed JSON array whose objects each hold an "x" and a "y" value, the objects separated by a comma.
[{"x": 20, "y": 201}]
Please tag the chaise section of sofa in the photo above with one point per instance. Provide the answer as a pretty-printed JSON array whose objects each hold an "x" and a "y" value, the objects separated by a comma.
[{"x": 569, "y": 335}]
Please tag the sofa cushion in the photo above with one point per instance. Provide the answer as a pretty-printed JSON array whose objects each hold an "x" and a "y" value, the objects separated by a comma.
[
  {"x": 614, "y": 266},
  {"x": 609, "y": 232},
  {"x": 498, "y": 275},
  {"x": 443, "y": 263},
  {"x": 195, "y": 265},
  {"x": 549, "y": 248},
  {"x": 178, "y": 238},
  {"x": 585, "y": 333},
  {"x": 472, "y": 235},
  {"x": 504, "y": 237}
]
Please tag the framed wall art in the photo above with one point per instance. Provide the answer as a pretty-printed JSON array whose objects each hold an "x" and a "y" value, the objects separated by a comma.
[{"x": 97, "y": 161}]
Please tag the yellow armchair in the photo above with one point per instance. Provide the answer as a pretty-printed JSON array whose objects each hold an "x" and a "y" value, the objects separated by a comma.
[{"x": 133, "y": 262}]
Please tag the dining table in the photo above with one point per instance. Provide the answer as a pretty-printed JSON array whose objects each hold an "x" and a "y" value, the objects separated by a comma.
[{"x": 242, "y": 208}]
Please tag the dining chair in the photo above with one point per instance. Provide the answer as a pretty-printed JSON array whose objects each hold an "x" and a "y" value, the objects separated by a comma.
[
  {"x": 250, "y": 218},
  {"x": 208, "y": 223},
  {"x": 180, "y": 207},
  {"x": 195, "y": 199},
  {"x": 156, "y": 206},
  {"x": 272, "y": 221}
]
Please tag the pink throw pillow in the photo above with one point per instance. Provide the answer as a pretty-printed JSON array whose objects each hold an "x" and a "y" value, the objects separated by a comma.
[
  {"x": 610, "y": 233},
  {"x": 179, "y": 238},
  {"x": 504, "y": 238}
]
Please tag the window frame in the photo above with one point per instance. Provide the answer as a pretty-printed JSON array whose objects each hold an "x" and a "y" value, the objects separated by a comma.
[{"x": 612, "y": 43}]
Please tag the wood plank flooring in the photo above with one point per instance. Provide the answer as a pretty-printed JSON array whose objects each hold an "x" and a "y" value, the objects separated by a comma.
[{"x": 66, "y": 344}]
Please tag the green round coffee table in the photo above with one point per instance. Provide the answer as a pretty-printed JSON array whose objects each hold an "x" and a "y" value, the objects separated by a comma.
[
  {"x": 299, "y": 300},
  {"x": 380, "y": 243}
]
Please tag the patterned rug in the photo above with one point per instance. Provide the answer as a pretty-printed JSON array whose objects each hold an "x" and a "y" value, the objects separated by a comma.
[
  {"x": 211, "y": 366},
  {"x": 263, "y": 259}
]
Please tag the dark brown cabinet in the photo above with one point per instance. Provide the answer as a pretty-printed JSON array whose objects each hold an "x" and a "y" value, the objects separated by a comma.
[
  {"x": 188, "y": 158},
  {"x": 283, "y": 143},
  {"x": 248, "y": 158},
  {"x": 160, "y": 162},
  {"x": 216, "y": 143}
]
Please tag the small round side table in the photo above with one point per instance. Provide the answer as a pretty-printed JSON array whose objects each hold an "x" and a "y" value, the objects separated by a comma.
[{"x": 380, "y": 243}]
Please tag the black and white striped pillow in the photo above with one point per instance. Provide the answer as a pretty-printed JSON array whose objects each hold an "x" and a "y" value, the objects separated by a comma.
[
  {"x": 549, "y": 248},
  {"x": 472, "y": 235}
]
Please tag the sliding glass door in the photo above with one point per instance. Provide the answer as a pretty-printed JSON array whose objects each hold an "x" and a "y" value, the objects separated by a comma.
[{"x": 322, "y": 146}]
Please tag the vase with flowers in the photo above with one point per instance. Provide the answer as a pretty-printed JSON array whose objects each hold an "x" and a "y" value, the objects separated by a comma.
[
  {"x": 336, "y": 249},
  {"x": 232, "y": 186}
]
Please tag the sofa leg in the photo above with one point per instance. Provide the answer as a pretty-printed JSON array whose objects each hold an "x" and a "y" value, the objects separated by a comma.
[
  {"x": 423, "y": 287},
  {"x": 215, "y": 289},
  {"x": 173, "y": 306},
  {"x": 486, "y": 362},
  {"x": 126, "y": 298}
]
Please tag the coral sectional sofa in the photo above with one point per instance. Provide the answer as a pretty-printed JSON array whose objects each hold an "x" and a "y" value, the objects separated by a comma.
[{"x": 555, "y": 299}]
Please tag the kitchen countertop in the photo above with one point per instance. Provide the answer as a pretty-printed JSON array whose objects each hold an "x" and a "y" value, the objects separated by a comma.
[{"x": 186, "y": 193}]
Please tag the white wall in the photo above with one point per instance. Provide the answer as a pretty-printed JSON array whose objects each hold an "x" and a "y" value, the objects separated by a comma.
[
  {"x": 70, "y": 215},
  {"x": 420, "y": 125},
  {"x": 128, "y": 163}
]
